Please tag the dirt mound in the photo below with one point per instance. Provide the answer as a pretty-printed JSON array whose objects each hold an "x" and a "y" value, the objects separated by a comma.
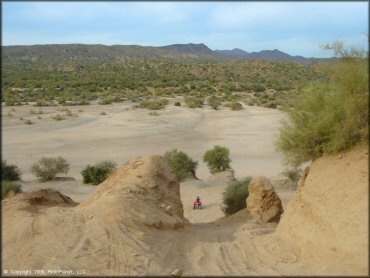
[
  {"x": 144, "y": 191},
  {"x": 118, "y": 230},
  {"x": 38, "y": 199},
  {"x": 326, "y": 222},
  {"x": 262, "y": 202}
]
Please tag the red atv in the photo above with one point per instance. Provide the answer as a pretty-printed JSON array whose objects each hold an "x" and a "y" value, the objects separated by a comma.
[{"x": 197, "y": 205}]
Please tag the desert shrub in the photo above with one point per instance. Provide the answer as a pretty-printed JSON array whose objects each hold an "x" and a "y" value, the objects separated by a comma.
[
  {"x": 97, "y": 173},
  {"x": 259, "y": 88},
  {"x": 8, "y": 186},
  {"x": 177, "y": 103},
  {"x": 106, "y": 101},
  {"x": 103, "y": 113},
  {"x": 153, "y": 104},
  {"x": 58, "y": 117},
  {"x": 28, "y": 122},
  {"x": 217, "y": 159},
  {"x": 272, "y": 104},
  {"x": 234, "y": 197},
  {"x": 181, "y": 164},
  {"x": 294, "y": 174},
  {"x": 9, "y": 172},
  {"x": 329, "y": 117},
  {"x": 42, "y": 103},
  {"x": 47, "y": 168},
  {"x": 69, "y": 113},
  {"x": 236, "y": 106},
  {"x": 194, "y": 102},
  {"x": 214, "y": 102}
]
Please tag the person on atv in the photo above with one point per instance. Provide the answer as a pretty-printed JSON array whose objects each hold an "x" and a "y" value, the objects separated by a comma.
[{"x": 197, "y": 203}]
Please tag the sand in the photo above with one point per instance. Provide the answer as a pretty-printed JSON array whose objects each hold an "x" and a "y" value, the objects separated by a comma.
[{"x": 123, "y": 134}]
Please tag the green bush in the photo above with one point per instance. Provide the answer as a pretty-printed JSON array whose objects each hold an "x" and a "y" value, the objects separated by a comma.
[
  {"x": 181, "y": 164},
  {"x": 153, "y": 104},
  {"x": 234, "y": 197},
  {"x": 217, "y": 159},
  {"x": 214, "y": 102},
  {"x": 236, "y": 106},
  {"x": 47, "y": 168},
  {"x": 58, "y": 117},
  {"x": 106, "y": 101},
  {"x": 294, "y": 174},
  {"x": 259, "y": 88},
  {"x": 194, "y": 102},
  {"x": 329, "y": 117},
  {"x": 8, "y": 186},
  {"x": 9, "y": 172},
  {"x": 177, "y": 103},
  {"x": 272, "y": 104},
  {"x": 97, "y": 173}
]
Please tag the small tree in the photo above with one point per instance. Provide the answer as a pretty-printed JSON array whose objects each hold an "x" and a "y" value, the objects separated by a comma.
[
  {"x": 181, "y": 164},
  {"x": 48, "y": 167},
  {"x": 98, "y": 173},
  {"x": 9, "y": 172},
  {"x": 235, "y": 195},
  {"x": 217, "y": 159}
]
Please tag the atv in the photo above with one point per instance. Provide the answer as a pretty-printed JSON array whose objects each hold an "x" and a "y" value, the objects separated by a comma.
[{"x": 197, "y": 205}]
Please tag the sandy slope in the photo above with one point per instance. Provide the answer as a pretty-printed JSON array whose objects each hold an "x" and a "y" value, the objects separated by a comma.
[
  {"x": 326, "y": 222},
  {"x": 127, "y": 228}
]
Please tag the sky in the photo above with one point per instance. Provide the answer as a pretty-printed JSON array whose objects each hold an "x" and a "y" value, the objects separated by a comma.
[{"x": 293, "y": 27}]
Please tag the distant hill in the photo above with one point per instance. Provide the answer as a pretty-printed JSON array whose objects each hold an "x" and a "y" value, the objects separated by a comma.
[{"x": 103, "y": 53}]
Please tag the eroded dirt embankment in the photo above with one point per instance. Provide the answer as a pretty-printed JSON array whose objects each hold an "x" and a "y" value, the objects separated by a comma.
[{"x": 134, "y": 225}]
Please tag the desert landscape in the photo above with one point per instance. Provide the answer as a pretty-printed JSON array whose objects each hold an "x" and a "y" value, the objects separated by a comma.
[
  {"x": 202, "y": 241},
  {"x": 249, "y": 133},
  {"x": 185, "y": 139}
]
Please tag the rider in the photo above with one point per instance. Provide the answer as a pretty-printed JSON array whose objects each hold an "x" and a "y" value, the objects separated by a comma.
[{"x": 198, "y": 200}]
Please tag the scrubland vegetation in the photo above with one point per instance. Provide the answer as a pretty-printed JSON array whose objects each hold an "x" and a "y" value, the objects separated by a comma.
[
  {"x": 181, "y": 164},
  {"x": 10, "y": 175},
  {"x": 9, "y": 172},
  {"x": 47, "y": 168},
  {"x": 10, "y": 186},
  {"x": 331, "y": 116},
  {"x": 98, "y": 173},
  {"x": 68, "y": 83},
  {"x": 217, "y": 159},
  {"x": 233, "y": 198}
]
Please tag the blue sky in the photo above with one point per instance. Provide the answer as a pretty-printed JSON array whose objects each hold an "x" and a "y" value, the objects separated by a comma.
[{"x": 292, "y": 27}]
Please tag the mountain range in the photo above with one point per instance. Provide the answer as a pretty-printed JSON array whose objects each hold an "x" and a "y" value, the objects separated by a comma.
[{"x": 98, "y": 52}]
